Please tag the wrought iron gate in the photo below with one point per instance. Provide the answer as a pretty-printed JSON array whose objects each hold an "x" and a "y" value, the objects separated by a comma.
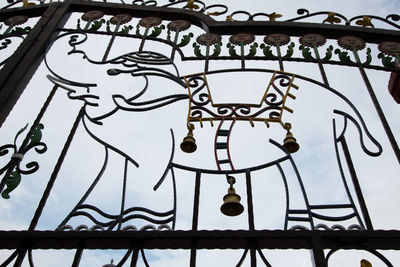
[{"x": 169, "y": 63}]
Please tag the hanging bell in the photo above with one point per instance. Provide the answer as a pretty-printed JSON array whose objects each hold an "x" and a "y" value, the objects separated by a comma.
[
  {"x": 365, "y": 263},
  {"x": 231, "y": 206},
  {"x": 290, "y": 143},
  {"x": 110, "y": 264},
  {"x": 188, "y": 144}
]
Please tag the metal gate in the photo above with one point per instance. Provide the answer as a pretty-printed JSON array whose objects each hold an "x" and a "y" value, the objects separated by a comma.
[{"x": 123, "y": 98}]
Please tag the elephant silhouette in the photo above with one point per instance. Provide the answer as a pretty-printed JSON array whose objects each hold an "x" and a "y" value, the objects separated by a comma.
[{"x": 148, "y": 84}]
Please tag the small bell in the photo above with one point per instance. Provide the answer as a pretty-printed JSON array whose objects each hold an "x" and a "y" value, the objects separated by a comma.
[
  {"x": 188, "y": 144},
  {"x": 365, "y": 263},
  {"x": 231, "y": 206},
  {"x": 290, "y": 143},
  {"x": 110, "y": 264}
]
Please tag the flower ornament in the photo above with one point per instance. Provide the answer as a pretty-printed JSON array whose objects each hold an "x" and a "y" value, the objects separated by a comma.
[
  {"x": 273, "y": 16},
  {"x": 149, "y": 22},
  {"x": 390, "y": 48},
  {"x": 332, "y": 19},
  {"x": 16, "y": 20},
  {"x": 209, "y": 39},
  {"x": 242, "y": 38},
  {"x": 277, "y": 39},
  {"x": 312, "y": 40},
  {"x": 92, "y": 15},
  {"x": 365, "y": 22},
  {"x": 351, "y": 43},
  {"x": 121, "y": 19},
  {"x": 178, "y": 25}
]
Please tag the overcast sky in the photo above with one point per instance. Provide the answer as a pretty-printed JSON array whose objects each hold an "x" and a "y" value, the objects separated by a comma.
[{"x": 146, "y": 138}]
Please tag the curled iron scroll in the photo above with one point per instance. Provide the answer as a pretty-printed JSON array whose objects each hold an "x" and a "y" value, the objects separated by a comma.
[{"x": 360, "y": 131}]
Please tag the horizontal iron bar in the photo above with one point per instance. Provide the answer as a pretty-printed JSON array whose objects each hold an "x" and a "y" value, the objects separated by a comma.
[
  {"x": 370, "y": 35},
  {"x": 221, "y": 145},
  {"x": 299, "y": 219},
  {"x": 276, "y": 239},
  {"x": 298, "y": 211},
  {"x": 328, "y": 206},
  {"x": 29, "y": 11},
  {"x": 223, "y": 132}
]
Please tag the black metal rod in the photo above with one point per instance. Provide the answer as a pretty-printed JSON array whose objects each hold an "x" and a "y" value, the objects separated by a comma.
[
  {"x": 205, "y": 239},
  {"x": 195, "y": 220},
  {"x": 54, "y": 175},
  {"x": 50, "y": 184},
  {"x": 77, "y": 257},
  {"x": 10, "y": 258},
  {"x": 378, "y": 108},
  {"x": 253, "y": 259},
  {"x": 356, "y": 184},
  {"x": 110, "y": 43},
  {"x": 318, "y": 255},
  {"x": 249, "y": 201},
  {"x": 320, "y": 66},
  {"x": 278, "y": 50},
  {"x": 123, "y": 193},
  {"x": 135, "y": 256}
]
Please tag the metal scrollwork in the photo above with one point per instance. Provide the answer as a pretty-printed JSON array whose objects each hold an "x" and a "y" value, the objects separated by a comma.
[
  {"x": 13, "y": 175},
  {"x": 203, "y": 108}
]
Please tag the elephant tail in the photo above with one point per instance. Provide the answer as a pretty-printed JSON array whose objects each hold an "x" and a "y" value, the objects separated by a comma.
[{"x": 362, "y": 130}]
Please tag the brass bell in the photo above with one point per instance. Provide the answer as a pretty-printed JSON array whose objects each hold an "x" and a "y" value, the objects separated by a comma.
[
  {"x": 110, "y": 264},
  {"x": 290, "y": 143},
  {"x": 231, "y": 206},
  {"x": 188, "y": 144}
]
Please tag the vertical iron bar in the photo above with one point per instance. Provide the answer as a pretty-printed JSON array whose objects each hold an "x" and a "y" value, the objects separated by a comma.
[
  {"x": 318, "y": 256},
  {"x": 303, "y": 191},
  {"x": 378, "y": 108},
  {"x": 121, "y": 215},
  {"x": 207, "y": 60},
  {"x": 111, "y": 42},
  {"x": 278, "y": 50},
  {"x": 143, "y": 39},
  {"x": 26, "y": 140},
  {"x": 356, "y": 184},
  {"x": 77, "y": 257},
  {"x": 249, "y": 201},
  {"x": 30, "y": 258},
  {"x": 195, "y": 216},
  {"x": 174, "y": 47},
  {"x": 253, "y": 260},
  {"x": 285, "y": 183},
  {"x": 175, "y": 197},
  {"x": 50, "y": 184},
  {"x": 135, "y": 256},
  {"x": 336, "y": 141},
  {"x": 250, "y": 215},
  {"x": 321, "y": 67},
  {"x": 242, "y": 56},
  {"x": 196, "y": 202},
  {"x": 53, "y": 177}
]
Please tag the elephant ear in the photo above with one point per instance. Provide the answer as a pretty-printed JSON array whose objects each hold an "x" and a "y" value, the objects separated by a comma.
[
  {"x": 76, "y": 91},
  {"x": 361, "y": 130}
]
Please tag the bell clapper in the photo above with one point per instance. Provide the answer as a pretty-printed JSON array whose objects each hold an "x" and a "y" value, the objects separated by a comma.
[
  {"x": 188, "y": 144},
  {"x": 231, "y": 205},
  {"x": 290, "y": 142}
]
